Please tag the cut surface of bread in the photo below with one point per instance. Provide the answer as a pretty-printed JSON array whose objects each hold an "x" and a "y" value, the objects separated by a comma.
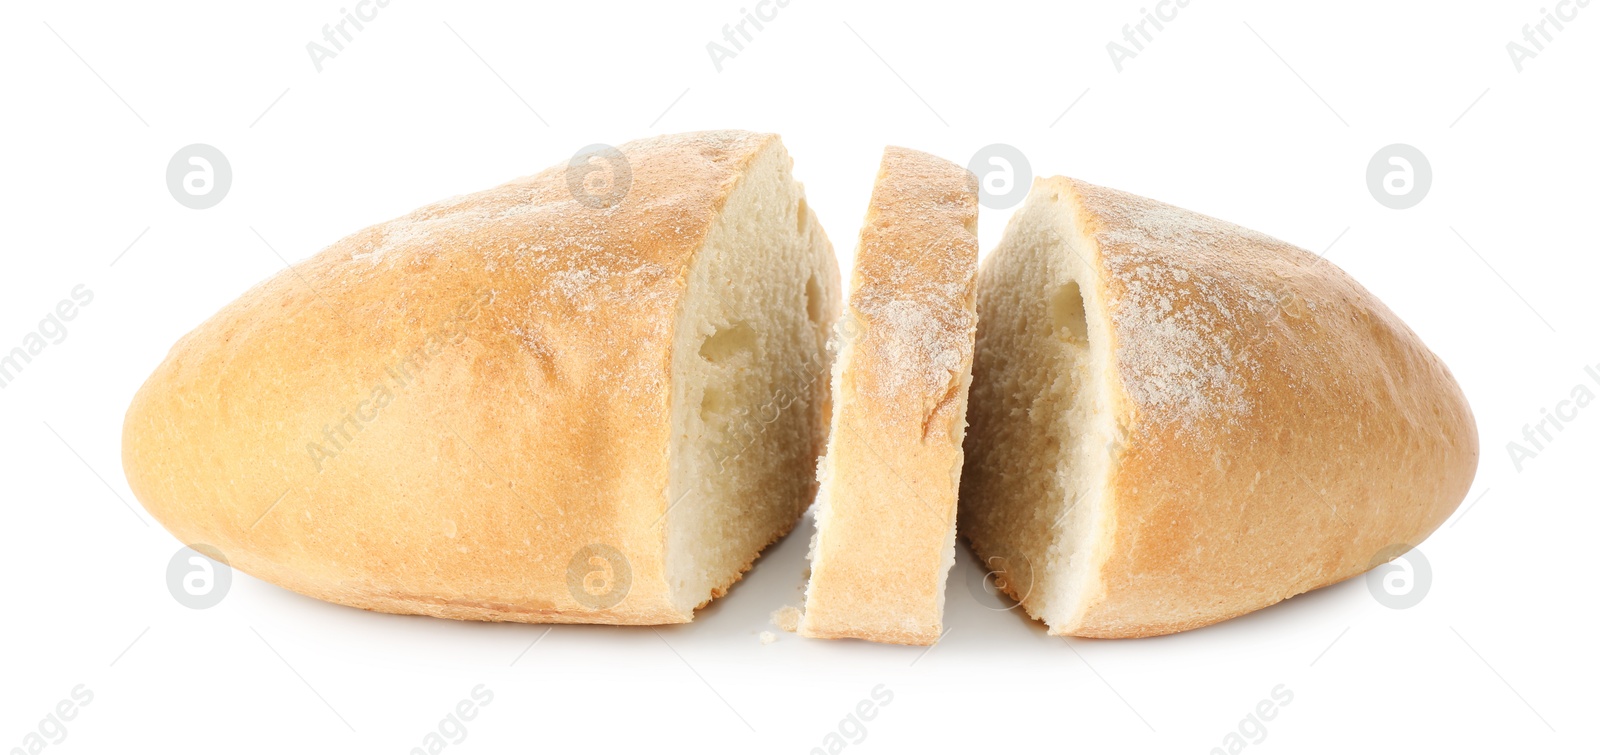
[
  {"x": 885, "y": 513},
  {"x": 1176, "y": 420},
  {"x": 516, "y": 405}
]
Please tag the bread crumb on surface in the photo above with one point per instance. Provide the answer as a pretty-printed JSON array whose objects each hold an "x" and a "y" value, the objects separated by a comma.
[
  {"x": 767, "y": 638},
  {"x": 786, "y": 618}
]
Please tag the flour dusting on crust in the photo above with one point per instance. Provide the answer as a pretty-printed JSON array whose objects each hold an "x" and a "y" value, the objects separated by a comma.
[
  {"x": 915, "y": 272},
  {"x": 570, "y": 267},
  {"x": 1185, "y": 318}
]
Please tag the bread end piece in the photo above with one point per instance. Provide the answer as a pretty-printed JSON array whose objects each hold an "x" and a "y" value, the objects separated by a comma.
[
  {"x": 1176, "y": 420},
  {"x": 524, "y": 404}
]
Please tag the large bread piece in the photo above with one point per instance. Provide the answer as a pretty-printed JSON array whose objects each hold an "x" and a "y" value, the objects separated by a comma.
[
  {"x": 886, "y": 512},
  {"x": 590, "y": 395},
  {"x": 1176, "y": 420}
]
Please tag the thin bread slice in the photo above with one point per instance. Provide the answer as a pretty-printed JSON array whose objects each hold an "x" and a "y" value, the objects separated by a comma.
[
  {"x": 1176, "y": 420},
  {"x": 590, "y": 395},
  {"x": 885, "y": 513}
]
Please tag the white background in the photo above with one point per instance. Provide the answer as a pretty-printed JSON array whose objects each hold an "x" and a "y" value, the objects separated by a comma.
[{"x": 1261, "y": 113}]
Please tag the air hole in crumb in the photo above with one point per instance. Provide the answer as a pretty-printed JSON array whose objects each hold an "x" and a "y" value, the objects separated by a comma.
[
  {"x": 714, "y": 403},
  {"x": 814, "y": 301},
  {"x": 1067, "y": 315},
  {"x": 803, "y": 212},
  {"x": 728, "y": 342}
]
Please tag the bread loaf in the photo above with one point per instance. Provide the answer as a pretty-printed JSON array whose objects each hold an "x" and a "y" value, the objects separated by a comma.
[
  {"x": 590, "y": 395},
  {"x": 1176, "y": 420}
]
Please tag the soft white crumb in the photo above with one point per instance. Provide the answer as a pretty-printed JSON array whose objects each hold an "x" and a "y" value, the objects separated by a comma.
[{"x": 786, "y": 618}]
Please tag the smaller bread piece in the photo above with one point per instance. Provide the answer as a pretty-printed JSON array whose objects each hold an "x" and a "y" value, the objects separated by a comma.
[
  {"x": 1176, "y": 420},
  {"x": 886, "y": 506}
]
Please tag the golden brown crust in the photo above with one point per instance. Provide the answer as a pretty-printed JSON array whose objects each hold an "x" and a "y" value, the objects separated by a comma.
[
  {"x": 894, "y": 456},
  {"x": 380, "y": 426},
  {"x": 1280, "y": 426}
]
